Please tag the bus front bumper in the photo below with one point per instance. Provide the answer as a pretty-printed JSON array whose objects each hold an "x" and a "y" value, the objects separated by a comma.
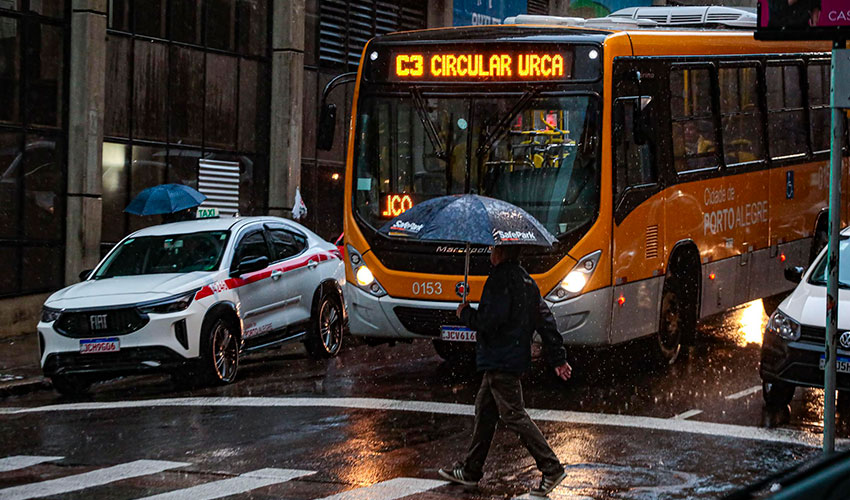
[{"x": 582, "y": 320}]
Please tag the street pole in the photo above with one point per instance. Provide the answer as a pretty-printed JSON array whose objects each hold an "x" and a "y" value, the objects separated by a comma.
[{"x": 838, "y": 51}]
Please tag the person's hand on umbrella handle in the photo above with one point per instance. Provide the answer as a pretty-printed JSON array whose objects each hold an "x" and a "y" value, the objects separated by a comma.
[
  {"x": 460, "y": 308},
  {"x": 564, "y": 371}
]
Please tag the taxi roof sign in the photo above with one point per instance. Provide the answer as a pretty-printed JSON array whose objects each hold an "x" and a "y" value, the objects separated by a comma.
[{"x": 207, "y": 213}]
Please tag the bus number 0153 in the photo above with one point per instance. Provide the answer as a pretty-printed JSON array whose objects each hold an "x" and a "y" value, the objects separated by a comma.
[{"x": 427, "y": 288}]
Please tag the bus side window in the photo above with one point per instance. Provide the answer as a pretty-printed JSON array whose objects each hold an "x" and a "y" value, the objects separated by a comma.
[
  {"x": 692, "y": 112},
  {"x": 785, "y": 112},
  {"x": 633, "y": 152}
]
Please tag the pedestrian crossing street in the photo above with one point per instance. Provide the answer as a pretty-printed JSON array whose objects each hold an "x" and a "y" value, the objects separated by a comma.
[{"x": 240, "y": 484}]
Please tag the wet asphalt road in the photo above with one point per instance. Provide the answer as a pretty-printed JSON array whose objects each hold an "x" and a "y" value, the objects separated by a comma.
[{"x": 361, "y": 446}]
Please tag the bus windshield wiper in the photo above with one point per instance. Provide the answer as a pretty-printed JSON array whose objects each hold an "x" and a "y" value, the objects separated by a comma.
[
  {"x": 430, "y": 128},
  {"x": 504, "y": 123}
]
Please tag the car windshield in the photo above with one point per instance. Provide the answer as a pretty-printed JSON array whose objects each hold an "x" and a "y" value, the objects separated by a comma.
[
  {"x": 534, "y": 151},
  {"x": 819, "y": 275},
  {"x": 175, "y": 253}
]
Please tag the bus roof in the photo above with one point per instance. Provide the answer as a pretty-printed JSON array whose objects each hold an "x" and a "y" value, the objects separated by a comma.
[{"x": 644, "y": 41}]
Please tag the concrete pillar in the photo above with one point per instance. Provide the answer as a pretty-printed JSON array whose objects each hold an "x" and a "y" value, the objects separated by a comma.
[
  {"x": 440, "y": 13},
  {"x": 287, "y": 95},
  {"x": 85, "y": 136}
]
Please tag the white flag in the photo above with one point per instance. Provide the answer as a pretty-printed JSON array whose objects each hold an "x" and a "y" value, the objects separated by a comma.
[{"x": 299, "y": 209}]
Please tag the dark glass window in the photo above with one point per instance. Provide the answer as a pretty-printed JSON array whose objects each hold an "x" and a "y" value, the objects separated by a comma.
[
  {"x": 183, "y": 166},
  {"x": 116, "y": 120},
  {"x": 694, "y": 141},
  {"x": 150, "y": 90},
  {"x": 187, "y": 95},
  {"x": 819, "y": 111},
  {"x": 253, "y": 26},
  {"x": 251, "y": 245},
  {"x": 220, "y": 110},
  {"x": 115, "y": 194},
  {"x": 119, "y": 15},
  {"x": 49, "y": 8},
  {"x": 150, "y": 18},
  {"x": 147, "y": 169},
  {"x": 785, "y": 113},
  {"x": 10, "y": 69},
  {"x": 740, "y": 115},
  {"x": 9, "y": 281},
  {"x": 44, "y": 68},
  {"x": 42, "y": 266},
  {"x": 221, "y": 24},
  {"x": 186, "y": 21},
  {"x": 286, "y": 244},
  {"x": 11, "y": 162},
  {"x": 44, "y": 184}
]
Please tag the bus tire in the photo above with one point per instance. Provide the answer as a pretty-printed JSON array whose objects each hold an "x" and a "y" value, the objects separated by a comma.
[
  {"x": 455, "y": 353},
  {"x": 668, "y": 341},
  {"x": 777, "y": 394}
]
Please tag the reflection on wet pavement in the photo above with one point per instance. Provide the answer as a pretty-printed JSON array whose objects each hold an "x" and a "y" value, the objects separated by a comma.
[{"x": 752, "y": 320}]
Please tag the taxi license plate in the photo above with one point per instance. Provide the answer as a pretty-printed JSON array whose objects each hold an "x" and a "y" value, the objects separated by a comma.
[
  {"x": 93, "y": 346},
  {"x": 842, "y": 365},
  {"x": 457, "y": 334}
]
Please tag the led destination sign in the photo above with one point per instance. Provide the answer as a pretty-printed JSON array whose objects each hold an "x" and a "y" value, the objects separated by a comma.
[{"x": 480, "y": 66}]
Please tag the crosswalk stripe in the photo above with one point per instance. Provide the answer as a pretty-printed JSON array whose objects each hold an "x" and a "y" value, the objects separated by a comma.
[
  {"x": 234, "y": 485},
  {"x": 22, "y": 461},
  {"x": 88, "y": 479},
  {"x": 388, "y": 490}
]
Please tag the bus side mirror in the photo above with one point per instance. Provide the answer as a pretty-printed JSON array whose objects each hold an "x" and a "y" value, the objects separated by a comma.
[
  {"x": 327, "y": 127},
  {"x": 794, "y": 274}
]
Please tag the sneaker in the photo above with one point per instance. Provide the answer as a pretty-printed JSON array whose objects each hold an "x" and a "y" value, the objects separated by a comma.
[
  {"x": 548, "y": 483},
  {"x": 458, "y": 475}
]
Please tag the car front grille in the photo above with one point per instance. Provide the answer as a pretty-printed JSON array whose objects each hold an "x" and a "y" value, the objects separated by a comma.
[
  {"x": 85, "y": 324},
  {"x": 425, "y": 321},
  {"x": 812, "y": 334}
]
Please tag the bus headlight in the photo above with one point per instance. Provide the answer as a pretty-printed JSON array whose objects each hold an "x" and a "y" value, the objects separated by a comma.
[
  {"x": 575, "y": 281},
  {"x": 781, "y": 325},
  {"x": 363, "y": 277}
]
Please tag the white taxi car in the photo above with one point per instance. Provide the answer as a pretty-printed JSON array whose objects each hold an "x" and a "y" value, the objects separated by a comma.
[{"x": 191, "y": 297}]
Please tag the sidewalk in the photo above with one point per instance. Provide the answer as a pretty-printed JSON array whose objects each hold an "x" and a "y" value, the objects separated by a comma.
[{"x": 19, "y": 369}]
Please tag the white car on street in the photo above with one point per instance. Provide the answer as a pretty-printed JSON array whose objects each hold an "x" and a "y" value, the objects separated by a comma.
[{"x": 191, "y": 297}]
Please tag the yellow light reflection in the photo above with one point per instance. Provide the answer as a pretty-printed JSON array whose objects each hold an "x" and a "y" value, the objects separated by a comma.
[{"x": 752, "y": 321}]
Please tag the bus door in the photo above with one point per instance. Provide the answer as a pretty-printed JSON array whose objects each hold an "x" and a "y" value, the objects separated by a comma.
[{"x": 638, "y": 202}]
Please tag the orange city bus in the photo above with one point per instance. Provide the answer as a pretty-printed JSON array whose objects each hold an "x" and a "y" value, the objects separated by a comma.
[{"x": 681, "y": 171}]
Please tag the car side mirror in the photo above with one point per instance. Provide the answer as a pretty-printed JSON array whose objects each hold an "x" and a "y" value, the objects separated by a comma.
[
  {"x": 327, "y": 127},
  {"x": 250, "y": 264},
  {"x": 84, "y": 275},
  {"x": 794, "y": 274}
]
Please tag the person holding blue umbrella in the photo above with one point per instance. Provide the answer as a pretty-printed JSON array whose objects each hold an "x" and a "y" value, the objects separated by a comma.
[
  {"x": 510, "y": 310},
  {"x": 175, "y": 201}
]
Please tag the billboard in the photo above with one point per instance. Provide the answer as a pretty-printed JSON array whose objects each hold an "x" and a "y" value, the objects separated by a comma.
[
  {"x": 478, "y": 12},
  {"x": 803, "y": 19}
]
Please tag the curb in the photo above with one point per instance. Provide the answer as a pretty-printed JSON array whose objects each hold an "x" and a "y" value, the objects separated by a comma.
[{"x": 25, "y": 386}]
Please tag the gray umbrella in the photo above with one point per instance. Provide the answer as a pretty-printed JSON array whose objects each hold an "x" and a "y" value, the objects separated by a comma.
[{"x": 471, "y": 219}]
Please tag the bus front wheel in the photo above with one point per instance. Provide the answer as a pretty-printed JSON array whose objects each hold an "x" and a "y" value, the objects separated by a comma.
[{"x": 675, "y": 316}]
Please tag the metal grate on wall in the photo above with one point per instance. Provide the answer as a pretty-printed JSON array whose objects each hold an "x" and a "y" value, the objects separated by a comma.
[
  {"x": 346, "y": 26},
  {"x": 219, "y": 181},
  {"x": 538, "y": 7}
]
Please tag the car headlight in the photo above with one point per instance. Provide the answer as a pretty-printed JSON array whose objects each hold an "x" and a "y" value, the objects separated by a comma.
[
  {"x": 783, "y": 326},
  {"x": 575, "y": 281},
  {"x": 168, "y": 305},
  {"x": 363, "y": 276},
  {"x": 49, "y": 315}
]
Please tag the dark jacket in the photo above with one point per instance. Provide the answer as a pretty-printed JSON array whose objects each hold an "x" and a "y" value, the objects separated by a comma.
[{"x": 509, "y": 312}]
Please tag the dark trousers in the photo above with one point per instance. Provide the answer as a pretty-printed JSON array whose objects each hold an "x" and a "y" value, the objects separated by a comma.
[{"x": 500, "y": 398}]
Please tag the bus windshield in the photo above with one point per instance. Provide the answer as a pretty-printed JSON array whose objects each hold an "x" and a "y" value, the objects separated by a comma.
[{"x": 537, "y": 152}]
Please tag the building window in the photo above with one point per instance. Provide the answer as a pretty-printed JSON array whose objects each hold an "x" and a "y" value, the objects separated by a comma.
[{"x": 33, "y": 180}]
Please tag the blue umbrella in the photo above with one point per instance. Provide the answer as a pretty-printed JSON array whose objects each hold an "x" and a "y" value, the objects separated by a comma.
[
  {"x": 470, "y": 219},
  {"x": 165, "y": 199}
]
